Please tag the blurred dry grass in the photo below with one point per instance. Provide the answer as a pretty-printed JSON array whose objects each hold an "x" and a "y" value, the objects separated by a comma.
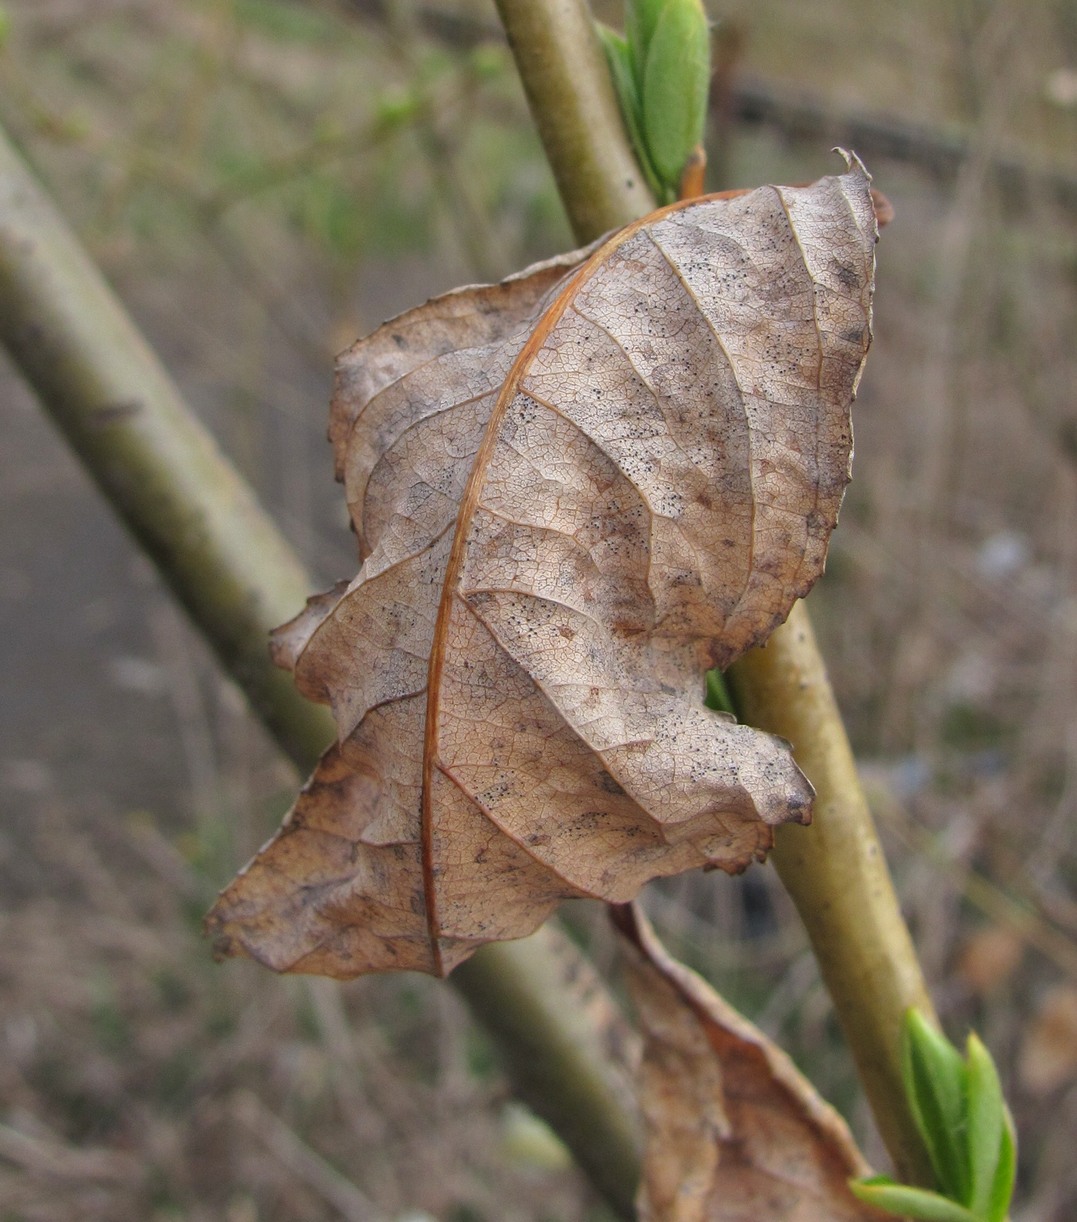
[{"x": 264, "y": 179}]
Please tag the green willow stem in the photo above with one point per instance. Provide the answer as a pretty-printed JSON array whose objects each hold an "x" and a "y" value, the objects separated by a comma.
[
  {"x": 837, "y": 875},
  {"x": 161, "y": 470},
  {"x": 572, "y": 101},
  {"x": 835, "y": 871},
  {"x": 557, "y": 1064},
  {"x": 237, "y": 577}
]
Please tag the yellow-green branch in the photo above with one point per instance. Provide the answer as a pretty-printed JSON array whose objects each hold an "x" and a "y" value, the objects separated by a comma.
[
  {"x": 564, "y": 75},
  {"x": 835, "y": 870},
  {"x": 837, "y": 875}
]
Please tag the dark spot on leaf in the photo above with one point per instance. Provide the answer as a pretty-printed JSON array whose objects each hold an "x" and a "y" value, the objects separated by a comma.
[{"x": 846, "y": 275}]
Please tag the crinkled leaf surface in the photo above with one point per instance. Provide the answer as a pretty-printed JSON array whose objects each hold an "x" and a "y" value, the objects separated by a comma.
[
  {"x": 574, "y": 492},
  {"x": 734, "y": 1132}
]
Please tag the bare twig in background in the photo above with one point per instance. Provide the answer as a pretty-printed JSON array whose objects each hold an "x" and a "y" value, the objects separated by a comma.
[
  {"x": 286, "y": 1145},
  {"x": 808, "y": 119},
  {"x": 44, "y": 1155}
]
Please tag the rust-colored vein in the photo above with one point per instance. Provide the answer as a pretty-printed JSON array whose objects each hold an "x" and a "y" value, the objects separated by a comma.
[{"x": 468, "y": 504}]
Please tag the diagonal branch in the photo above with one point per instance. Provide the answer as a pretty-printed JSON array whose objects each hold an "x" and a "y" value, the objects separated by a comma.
[
  {"x": 835, "y": 871},
  {"x": 837, "y": 875},
  {"x": 161, "y": 470},
  {"x": 237, "y": 578}
]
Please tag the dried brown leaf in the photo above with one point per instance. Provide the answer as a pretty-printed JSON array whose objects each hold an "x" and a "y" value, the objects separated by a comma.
[
  {"x": 734, "y": 1132},
  {"x": 573, "y": 492}
]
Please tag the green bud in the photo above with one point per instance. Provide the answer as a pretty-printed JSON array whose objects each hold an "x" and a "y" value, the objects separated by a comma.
[
  {"x": 717, "y": 695},
  {"x": 962, "y": 1116},
  {"x": 619, "y": 58},
  {"x": 991, "y": 1144},
  {"x": 641, "y": 17},
  {"x": 661, "y": 71},
  {"x": 676, "y": 81}
]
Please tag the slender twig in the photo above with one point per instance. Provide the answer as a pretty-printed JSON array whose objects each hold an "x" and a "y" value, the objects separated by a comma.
[
  {"x": 237, "y": 577},
  {"x": 809, "y": 117},
  {"x": 835, "y": 871},
  {"x": 563, "y": 70},
  {"x": 837, "y": 875}
]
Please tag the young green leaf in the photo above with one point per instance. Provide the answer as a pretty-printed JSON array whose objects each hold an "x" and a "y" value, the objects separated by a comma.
[
  {"x": 998, "y": 1207},
  {"x": 991, "y": 1146},
  {"x": 619, "y": 58},
  {"x": 908, "y": 1202},
  {"x": 641, "y": 17},
  {"x": 717, "y": 696},
  {"x": 661, "y": 72},
  {"x": 936, "y": 1083},
  {"x": 676, "y": 80}
]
